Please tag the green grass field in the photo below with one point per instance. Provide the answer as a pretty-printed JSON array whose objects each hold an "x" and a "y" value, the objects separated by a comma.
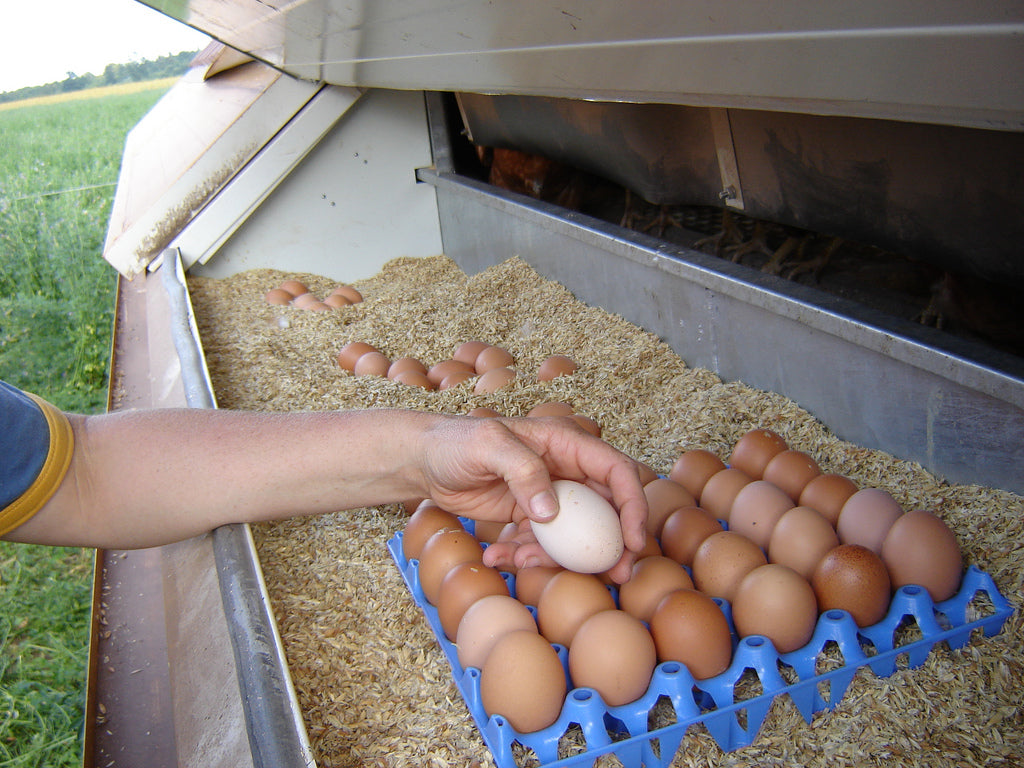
[{"x": 59, "y": 163}]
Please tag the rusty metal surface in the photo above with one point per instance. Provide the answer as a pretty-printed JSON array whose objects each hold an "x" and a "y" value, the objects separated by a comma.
[
  {"x": 129, "y": 712},
  {"x": 162, "y": 687}
]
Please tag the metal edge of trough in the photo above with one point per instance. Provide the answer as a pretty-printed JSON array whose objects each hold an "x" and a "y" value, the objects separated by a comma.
[
  {"x": 955, "y": 407},
  {"x": 276, "y": 730}
]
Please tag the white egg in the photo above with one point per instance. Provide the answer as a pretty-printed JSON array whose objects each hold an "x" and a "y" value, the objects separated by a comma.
[{"x": 585, "y": 535}]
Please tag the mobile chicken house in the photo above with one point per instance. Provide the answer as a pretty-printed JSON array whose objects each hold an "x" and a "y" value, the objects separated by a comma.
[{"x": 331, "y": 137}]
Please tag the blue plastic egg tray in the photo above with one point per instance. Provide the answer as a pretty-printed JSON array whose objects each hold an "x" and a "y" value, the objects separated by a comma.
[{"x": 623, "y": 730}]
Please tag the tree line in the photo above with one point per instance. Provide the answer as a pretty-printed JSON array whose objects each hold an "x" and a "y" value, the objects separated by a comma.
[{"x": 172, "y": 65}]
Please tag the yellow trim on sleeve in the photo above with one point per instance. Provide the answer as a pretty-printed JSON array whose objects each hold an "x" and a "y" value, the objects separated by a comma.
[{"x": 58, "y": 459}]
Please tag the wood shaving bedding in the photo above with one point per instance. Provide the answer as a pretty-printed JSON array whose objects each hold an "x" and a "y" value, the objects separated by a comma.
[{"x": 374, "y": 686}]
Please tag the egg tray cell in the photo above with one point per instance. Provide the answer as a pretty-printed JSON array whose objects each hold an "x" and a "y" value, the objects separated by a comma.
[{"x": 624, "y": 731}]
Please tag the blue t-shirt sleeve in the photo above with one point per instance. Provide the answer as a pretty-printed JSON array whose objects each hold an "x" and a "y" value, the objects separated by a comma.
[
  {"x": 24, "y": 443},
  {"x": 36, "y": 445}
]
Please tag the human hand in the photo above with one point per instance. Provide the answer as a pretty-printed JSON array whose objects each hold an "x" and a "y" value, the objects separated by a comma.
[
  {"x": 517, "y": 547},
  {"x": 501, "y": 470}
]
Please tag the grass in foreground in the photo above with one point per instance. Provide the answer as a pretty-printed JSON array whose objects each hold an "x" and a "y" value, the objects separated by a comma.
[
  {"x": 44, "y": 616},
  {"x": 59, "y": 163}
]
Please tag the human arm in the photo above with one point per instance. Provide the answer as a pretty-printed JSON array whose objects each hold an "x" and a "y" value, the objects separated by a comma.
[{"x": 144, "y": 478}]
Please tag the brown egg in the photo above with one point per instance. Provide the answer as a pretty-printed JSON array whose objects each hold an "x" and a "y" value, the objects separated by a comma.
[
  {"x": 351, "y": 352},
  {"x": 319, "y": 306},
  {"x": 438, "y": 371},
  {"x": 921, "y": 549},
  {"x": 827, "y": 493},
  {"x": 685, "y": 530},
  {"x": 427, "y": 520},
  {"x": 754, "y": 450},
  {"x": 414, "y": 379},
  {"x": 555, "y": 366},
  {"x": 791, "y": 471},
  {"x": 614, "y": 654},
  {"x": 305, "y": 301},
  {"x": 651, "y": 548},
  {"x": 484, "y": 413},
  {"x": 411, "y": 505},
  {"x": 372, "y": 364},
  {"x": 664, "y": 497},
  {"x": 756, "y": 509},
  {"x": 587, "y": 423},
  {"x": 468, "y": 351},
  {"x": 778, "y": 603},
  {"x": 866, "y": 518},
  {"x": 278, "y": 296},
  {"x": 403, "y": 364},
  {"x": 485, "y": 622},
  {"x": 551, "y": 409},
  {"x": 487, "y": 531},
  {"x": 801, "y": 538},
  {"x": 461, "y": 587},
  {"x": 652, "y": 579},
  {"x": 854, "y": 579},
  {"x": 690, "y": 628},
  {"x": 492, "y": 357},
  {"x": 493, "y": 380},
  {"x": 647, "y": 475},
  {"x": 337, "y": 301},
  {"x": 294, "y": 287},
  {"x": 567, "y": 601},
  {"x": 694, "y": 468},
  {"x": 722, "y": 561},
  {"x": 523, "y": 681},
  {"x": 720, "y": 490},
  {"x": 530, "y": 582},
  {"x": 453, "y": 379},
  {"x": 347, "y": 292},
  {"x": 442, "y": 552}
]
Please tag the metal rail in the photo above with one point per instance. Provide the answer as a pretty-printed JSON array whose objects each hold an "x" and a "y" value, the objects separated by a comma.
[{"x": 277, "y": 735}]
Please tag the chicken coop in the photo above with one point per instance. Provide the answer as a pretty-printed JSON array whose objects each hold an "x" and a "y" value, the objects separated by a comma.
[{"x": 731, "y": 216}]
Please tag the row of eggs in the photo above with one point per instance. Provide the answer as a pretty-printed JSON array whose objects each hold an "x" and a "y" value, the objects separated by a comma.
[
  {"x": 297, "y": 294},
  {"x": 491, "y": 365},
  {"x": 669, "y": 609},
  {"x": 780, "y": 500}
]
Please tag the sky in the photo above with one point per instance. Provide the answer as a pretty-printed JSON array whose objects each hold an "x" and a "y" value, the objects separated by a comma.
[{"x": 42, "y": 40}]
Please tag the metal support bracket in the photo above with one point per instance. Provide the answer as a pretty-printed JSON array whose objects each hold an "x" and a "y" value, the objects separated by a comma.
[{"x": 732, "y": 190}]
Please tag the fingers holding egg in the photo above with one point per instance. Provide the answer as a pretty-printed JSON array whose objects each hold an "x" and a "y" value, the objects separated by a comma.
[{"x": 516, "y": 548}]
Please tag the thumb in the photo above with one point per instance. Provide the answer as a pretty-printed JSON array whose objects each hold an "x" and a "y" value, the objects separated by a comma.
[
  {"x": 542, "y": 506},
  {"x": 528, "y": 480}
]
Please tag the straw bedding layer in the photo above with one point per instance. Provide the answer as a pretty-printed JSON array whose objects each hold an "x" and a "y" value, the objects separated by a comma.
[{"x": 374, "y": 686}]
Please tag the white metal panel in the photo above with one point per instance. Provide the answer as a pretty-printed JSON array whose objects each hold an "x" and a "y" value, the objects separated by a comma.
[
  {"x": 939, "y": 61},
  {"x": 221, "y": 217},
  {"x": 352, "y": 205},
  {"x": 184, "y": 150}
]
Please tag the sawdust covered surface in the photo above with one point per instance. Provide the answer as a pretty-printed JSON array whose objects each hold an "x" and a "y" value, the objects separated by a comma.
[{"x": 373, "y": 684}]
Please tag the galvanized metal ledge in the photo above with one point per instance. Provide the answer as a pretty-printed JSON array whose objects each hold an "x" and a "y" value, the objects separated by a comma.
[{"x": 955, "y": 407}]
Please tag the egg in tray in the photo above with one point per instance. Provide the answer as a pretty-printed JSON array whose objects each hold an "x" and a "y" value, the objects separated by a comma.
[
  {"x": 769, "y": 591},
  {"x": 823, "y": 598}
]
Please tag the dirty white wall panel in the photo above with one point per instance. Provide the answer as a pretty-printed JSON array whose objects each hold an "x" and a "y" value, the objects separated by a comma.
[
  {"x": 186, "y": 148},
  {"x": 221, "y": 217},
  {"x": 352, "y": 205}
]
